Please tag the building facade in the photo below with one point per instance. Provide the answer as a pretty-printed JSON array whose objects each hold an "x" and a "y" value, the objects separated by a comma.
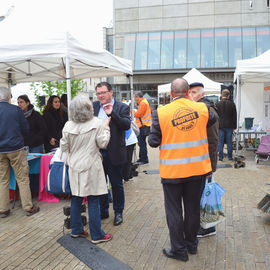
[{"x": 166, "y": 38}]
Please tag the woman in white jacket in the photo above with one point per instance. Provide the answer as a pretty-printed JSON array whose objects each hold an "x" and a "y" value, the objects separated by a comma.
[{"x": 83, "y": 136}]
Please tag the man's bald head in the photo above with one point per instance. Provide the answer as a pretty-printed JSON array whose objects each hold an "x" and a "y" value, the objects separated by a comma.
[{"x": 179, "y": 87}]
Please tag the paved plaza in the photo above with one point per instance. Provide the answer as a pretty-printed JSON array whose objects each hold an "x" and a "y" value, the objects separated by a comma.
[{"x": 242, "y": 241}]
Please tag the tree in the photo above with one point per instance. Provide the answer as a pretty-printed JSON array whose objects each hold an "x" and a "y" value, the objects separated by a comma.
[{"x": 57, "y": 88}]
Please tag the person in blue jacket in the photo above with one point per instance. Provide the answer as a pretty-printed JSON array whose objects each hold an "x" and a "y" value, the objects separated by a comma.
[{"x": 13, "y": 126}]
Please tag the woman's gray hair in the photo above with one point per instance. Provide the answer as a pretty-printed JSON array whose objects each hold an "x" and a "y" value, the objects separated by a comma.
[
  {"x": 80, "y": 109},
  {"x": 5, "y": 93}
]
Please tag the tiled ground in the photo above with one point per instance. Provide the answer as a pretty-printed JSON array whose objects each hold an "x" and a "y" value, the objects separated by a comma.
[{"x": 242, "y": 241}]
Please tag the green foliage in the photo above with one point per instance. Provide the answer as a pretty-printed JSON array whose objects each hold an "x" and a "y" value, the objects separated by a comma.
[{"x": 57, "y": 88}]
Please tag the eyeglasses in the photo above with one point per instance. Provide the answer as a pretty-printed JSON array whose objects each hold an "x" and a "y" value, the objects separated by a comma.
[{"x": 102, "y": 93}]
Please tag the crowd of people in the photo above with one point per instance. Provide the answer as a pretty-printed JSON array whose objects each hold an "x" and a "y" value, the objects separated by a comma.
[{"x": 99, "y": 139}]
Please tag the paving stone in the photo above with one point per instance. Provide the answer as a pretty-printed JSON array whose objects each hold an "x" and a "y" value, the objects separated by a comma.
[{"x": 242, "y": 241}]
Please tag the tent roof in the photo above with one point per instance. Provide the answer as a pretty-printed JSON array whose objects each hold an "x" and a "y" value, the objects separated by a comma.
[
  {"x": 255, "y": 69},
  {"x": 35, "y": 58},
  {"x": 192, "y": 76}
]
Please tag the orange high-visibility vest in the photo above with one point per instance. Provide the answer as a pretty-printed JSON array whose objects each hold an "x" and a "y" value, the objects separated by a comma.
[
  {"x": 184, "y": 146},
  {"x": 146, "y": 119}
]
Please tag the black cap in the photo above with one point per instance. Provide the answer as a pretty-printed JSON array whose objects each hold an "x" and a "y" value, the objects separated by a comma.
[{"x": 195, "y": 84}]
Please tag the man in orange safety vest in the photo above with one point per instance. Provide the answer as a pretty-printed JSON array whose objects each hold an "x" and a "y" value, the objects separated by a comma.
[
  {"x": 143, "y": 119},
  {"x": 179, "y": 129}
]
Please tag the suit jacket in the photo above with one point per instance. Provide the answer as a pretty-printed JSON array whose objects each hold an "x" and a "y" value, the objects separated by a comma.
[{"x": 120, "y": 121}]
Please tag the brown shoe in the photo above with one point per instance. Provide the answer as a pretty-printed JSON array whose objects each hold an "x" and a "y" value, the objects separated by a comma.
[
  {"x": 4, "y": 214},
  {"x": 33, "y": 210}
]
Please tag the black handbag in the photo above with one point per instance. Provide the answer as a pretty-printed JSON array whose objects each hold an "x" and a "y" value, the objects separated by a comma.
[{"x": 144, "y": 130}]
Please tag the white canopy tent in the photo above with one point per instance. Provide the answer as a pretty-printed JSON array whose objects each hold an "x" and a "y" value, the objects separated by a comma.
[
  {"x": 192, "y": 76},
  {"x": 34, "y": 54},
  {"x": 251, "y": 75},
  {"x": 57, "y": 58}
]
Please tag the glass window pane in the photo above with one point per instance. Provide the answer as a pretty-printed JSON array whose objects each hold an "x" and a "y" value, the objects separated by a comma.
[
  {"x": 141, "y": 51},
  {"x": 193, "y": 49},
  {"x": 129, "y": 47},
  {"x": 109, "y": 44},
  {"x": 167, "y": 50},
  {"x": 207, "y": 48},
  {"x": 221, "y": 48},
  {"x": 249, "y": 43},
  {"x": 235, "y": 46},
  {"x": 180, "y": 49},
  {"x": 263, "y": 39},
  {"x": 154, "y": 51}
]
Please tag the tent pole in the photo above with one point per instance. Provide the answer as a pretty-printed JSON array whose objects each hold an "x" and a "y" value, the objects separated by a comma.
[
  {"x": 68, "y": 80},
  {"x": 131, "y": 96},
  {"x": 238, "y": 113}
]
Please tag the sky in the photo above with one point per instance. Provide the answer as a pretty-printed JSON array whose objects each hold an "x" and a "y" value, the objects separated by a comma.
[{"x": 84, "y": 19}]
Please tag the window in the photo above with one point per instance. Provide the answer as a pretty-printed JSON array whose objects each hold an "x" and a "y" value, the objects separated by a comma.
[
  {"x": 193, "y": 59},
  {"x": 167, "y": 50},
  {"x": 180, "y": 49},
  {"x": 109, "y": 45},
  {"x": 249, "y": 42},
  {"x": 235, "y": 46},
  {"x": 129, "y": 47},
  {"x": 207, "y": 48},
  {"x": 263, "y": 39},
  {"x": 154, "y": 51},
  {"x": 268, "y": 4},
  {"x": 141, "y": 51},
  {"x": 221, "y": 48}
]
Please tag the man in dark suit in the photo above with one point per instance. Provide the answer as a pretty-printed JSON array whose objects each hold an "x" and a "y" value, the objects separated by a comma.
[{"x": 115, "y": 155}]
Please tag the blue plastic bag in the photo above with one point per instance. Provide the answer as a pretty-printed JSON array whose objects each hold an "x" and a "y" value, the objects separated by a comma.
[
  {"x": 58, "y": 179},
  {"x": 211, "y": 212}
]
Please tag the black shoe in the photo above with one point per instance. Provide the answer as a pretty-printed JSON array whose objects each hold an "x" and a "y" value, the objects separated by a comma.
[
  {"x": 206, "y": 232},
  {"x": 143, "y": 162},
  {"x": 192, "y": 250},
  {"x": 118, "y": 219},
  {"x": 181, "y": 257},
  {"x": 104, "y": 216}
]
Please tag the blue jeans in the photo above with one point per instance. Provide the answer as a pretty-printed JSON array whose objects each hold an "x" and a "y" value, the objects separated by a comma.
[
  {"x": 116, "y": 178},
  {"x": 143, "y": 148},
  {"x": 93, "y": 214},
  {"x": 36, "y": 149},
  {"x": 34, "y": 178},
  {"x": 225, "y": 133}
]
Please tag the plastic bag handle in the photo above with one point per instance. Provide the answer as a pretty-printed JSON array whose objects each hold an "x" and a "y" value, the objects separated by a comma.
[{"x": 207, "y": 180}]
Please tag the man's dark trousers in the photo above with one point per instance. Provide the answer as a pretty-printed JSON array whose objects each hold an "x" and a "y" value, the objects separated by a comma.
[
  {"x": 114, "y": 172},
  {"x": 143, "y": 148},
  {"x": 183, "y": 231}
]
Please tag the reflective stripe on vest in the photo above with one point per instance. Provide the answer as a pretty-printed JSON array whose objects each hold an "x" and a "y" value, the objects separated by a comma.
[
  {"x": 183, "y": 160},
  {"x": 183, "y": 145}
]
